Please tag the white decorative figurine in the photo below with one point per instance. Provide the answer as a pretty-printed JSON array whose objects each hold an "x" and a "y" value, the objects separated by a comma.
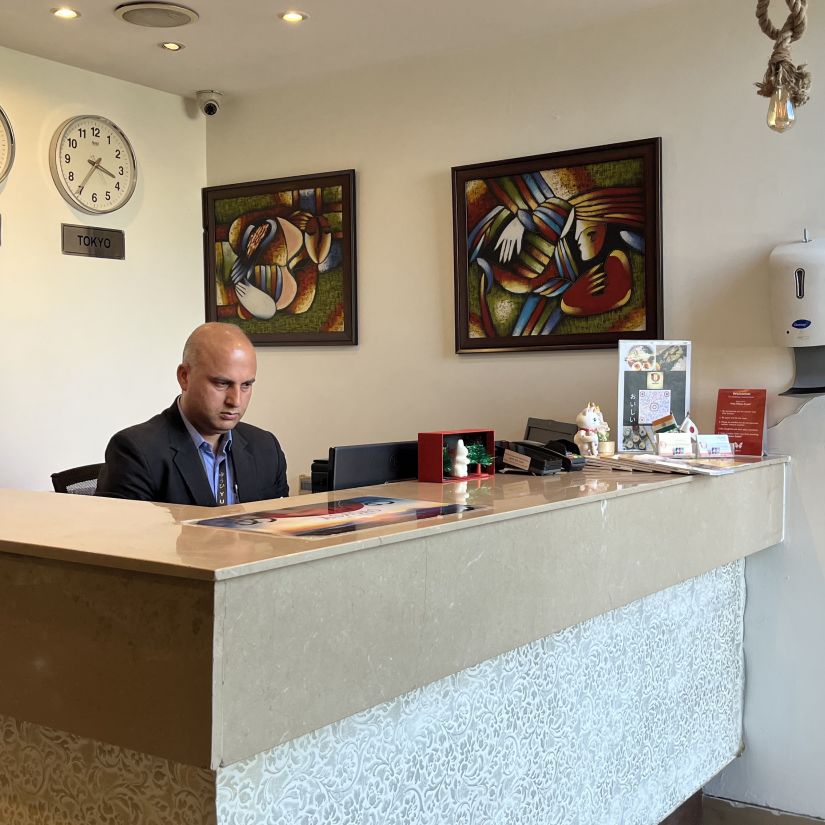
[
  {"x": 587, "y": 436},
  {"x": 460, "y": 460}
]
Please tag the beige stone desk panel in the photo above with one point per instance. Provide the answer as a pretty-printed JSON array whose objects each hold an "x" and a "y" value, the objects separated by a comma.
[
  {"x": 338, "y": 635},
  {"x": 116, "y": 656},
  {"x": 206, "y": 646}
]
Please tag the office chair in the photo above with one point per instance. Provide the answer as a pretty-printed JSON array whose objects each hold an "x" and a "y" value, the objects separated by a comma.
[{"x": 81, "y": 481}]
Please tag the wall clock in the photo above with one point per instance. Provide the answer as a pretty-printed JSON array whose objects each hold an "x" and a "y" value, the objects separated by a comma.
[
  {"x": 6, "y": 146},
  {"x": 93, "y": 165}
]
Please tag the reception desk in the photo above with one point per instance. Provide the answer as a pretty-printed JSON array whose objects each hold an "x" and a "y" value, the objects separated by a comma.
[{"x": 570, "y": 650}]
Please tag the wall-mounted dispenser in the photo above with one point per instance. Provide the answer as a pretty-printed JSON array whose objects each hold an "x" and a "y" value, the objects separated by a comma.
[{"x": 798, "y": 304}]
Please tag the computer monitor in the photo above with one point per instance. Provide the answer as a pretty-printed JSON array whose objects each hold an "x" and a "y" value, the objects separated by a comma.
[
  {"x": 546, "y": 429},
  {"x": 358, "y": 465}
]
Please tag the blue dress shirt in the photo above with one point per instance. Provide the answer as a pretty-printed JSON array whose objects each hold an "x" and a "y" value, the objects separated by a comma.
[{"x": 212, "y": 461}]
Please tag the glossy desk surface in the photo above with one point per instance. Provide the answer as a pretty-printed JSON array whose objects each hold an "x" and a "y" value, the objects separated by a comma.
[{"x": 148, "y": 537}]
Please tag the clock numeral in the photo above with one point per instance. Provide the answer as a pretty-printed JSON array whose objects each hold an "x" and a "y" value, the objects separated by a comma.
[
  {"x": 81, "y": 133},
  {"x": 67, "y": 158},
  {"x": 117, "y": 153},
  {"x": 94, "y": 197},
  {"x": 120, "y": 168},
  {"x": 72, "y": 143},
  {"x": 109, "y": 138},
  {"x": 71, "y": 176},
  {"x": 95, "y": 131},
  {"x": 108, "y": 195},
  {"x": 117, "y": 186}
]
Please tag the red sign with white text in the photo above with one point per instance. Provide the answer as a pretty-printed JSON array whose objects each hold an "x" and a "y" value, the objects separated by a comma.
[{"x": 740, "y": 415}]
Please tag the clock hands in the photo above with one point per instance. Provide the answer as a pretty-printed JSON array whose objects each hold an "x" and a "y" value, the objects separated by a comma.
[
  {"x": 104, "y": 169},
  {"x": 95, "y": 165}
]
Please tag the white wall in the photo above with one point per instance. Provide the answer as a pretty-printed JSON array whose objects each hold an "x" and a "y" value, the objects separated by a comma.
[
  {"x": 732, "y": 190},
  {"x": 90, "y": 346}
]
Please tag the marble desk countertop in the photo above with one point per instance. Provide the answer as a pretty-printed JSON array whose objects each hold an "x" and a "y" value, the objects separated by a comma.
[{"x": 152, "y": 538}]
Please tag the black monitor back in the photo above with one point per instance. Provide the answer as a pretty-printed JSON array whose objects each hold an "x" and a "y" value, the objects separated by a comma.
[{"x": 359, "y": 465}]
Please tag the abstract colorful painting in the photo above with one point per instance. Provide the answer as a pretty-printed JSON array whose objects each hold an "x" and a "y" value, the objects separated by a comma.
[
  {"x": 559, "y": 251},
  {"x": 280, "y": 258}
]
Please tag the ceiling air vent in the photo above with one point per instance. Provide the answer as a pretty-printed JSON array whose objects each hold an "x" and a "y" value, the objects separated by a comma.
[{"x": 156, "y": 15}]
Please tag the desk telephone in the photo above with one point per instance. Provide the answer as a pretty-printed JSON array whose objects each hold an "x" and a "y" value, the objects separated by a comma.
[{"x": 539, "y": 458}]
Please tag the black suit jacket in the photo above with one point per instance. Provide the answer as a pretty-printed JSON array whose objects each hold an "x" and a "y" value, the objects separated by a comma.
[{"x": 157, "y": 461}]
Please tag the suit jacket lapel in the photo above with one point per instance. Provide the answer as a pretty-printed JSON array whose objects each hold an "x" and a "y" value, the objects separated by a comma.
[
  {"x": 246, "y": 477},
  {"x": 188, "y": 462}
]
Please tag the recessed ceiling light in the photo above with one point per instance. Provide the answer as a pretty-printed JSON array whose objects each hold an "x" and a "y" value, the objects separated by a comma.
[
  {"x": 65, "y": 13},
  {"x": 172, "y": 47},
  {"x": 293, "y": 16},
  {"x": 156, "y": 15}
]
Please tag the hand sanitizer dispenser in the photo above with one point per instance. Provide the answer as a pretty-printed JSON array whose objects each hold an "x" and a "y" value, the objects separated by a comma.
[{"x": 798, "y": 303}]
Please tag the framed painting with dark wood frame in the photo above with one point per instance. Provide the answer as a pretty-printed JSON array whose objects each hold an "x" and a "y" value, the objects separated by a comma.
[
  {"x": 559, "y": 251},
  {"x": 280, "y": 258}
]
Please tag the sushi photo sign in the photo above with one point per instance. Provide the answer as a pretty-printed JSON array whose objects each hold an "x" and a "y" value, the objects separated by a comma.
[{"x": 654, "y": 385}]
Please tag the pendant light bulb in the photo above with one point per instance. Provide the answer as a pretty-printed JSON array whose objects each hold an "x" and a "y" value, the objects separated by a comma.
[{"x": 781, "y": 113}]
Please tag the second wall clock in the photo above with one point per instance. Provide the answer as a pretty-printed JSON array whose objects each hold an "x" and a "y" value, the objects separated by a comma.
[
  {"x": 6, "y": 146},
  {"x": 92, "y": 164}
]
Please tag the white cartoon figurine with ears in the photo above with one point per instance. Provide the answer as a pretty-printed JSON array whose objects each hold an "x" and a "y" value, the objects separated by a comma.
[{"x": 587, "y": 436}]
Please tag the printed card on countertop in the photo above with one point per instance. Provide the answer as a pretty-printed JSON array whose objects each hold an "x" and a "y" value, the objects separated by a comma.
[
  {"x": 714, "y": 446},
  {"x": 674, "y": 445}
]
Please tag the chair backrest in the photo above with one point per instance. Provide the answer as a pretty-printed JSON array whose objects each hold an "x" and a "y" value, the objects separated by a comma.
[{"x": 81, "y": 481}]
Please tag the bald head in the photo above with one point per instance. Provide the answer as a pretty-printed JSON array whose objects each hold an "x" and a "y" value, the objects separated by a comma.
[
  {"x": 216, "y": 377},
  {"x": 214, "y": 336}
]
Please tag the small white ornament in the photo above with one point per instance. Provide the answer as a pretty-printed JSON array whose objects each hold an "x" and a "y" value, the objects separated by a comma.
[
  {"x": 461, "y": 460},
  {"x": 589, "y": 420}
]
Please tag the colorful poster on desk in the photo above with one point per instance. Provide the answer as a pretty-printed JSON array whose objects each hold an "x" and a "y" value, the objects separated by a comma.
[
  {"x": 741, "y": 416},
  {"x": 654, "y": 383},
  {"x": 332, "y": 518}
]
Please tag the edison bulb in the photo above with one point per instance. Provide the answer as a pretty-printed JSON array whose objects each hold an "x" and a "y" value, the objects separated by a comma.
[{"x": 781, "y": 114}]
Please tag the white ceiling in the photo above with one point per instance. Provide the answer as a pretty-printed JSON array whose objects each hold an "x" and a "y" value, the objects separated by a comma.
[{"x": 241, "y": 47}]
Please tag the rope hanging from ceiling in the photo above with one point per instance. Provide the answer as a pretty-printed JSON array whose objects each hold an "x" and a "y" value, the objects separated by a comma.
[{"x": 781, "y": 71}]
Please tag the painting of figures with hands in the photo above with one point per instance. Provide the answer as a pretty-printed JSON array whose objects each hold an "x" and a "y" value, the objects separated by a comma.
[
  {"x": 559, "y": 251},
  {"x": 280, "y": 258}
]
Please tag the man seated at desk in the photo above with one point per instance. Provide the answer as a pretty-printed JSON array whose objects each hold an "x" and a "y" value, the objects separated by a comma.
[{"x": 197, "y": 451}]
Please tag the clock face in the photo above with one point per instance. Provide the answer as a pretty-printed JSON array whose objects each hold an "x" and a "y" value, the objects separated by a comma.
[
  {"x": 6, "y": 146},
  {"x": 93, "y": 164}
]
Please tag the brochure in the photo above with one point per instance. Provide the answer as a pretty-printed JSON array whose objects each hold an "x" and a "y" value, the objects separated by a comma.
[
  {"x": 648, "y": 463},
  {"x": 654, "y": 390}
]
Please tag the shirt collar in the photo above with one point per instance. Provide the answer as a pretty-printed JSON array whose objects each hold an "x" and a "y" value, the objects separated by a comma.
[{"x": 199, "y": 441}]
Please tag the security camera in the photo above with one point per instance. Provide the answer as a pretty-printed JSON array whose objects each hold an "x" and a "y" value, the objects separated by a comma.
[{"x": 209, "y": 102}]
